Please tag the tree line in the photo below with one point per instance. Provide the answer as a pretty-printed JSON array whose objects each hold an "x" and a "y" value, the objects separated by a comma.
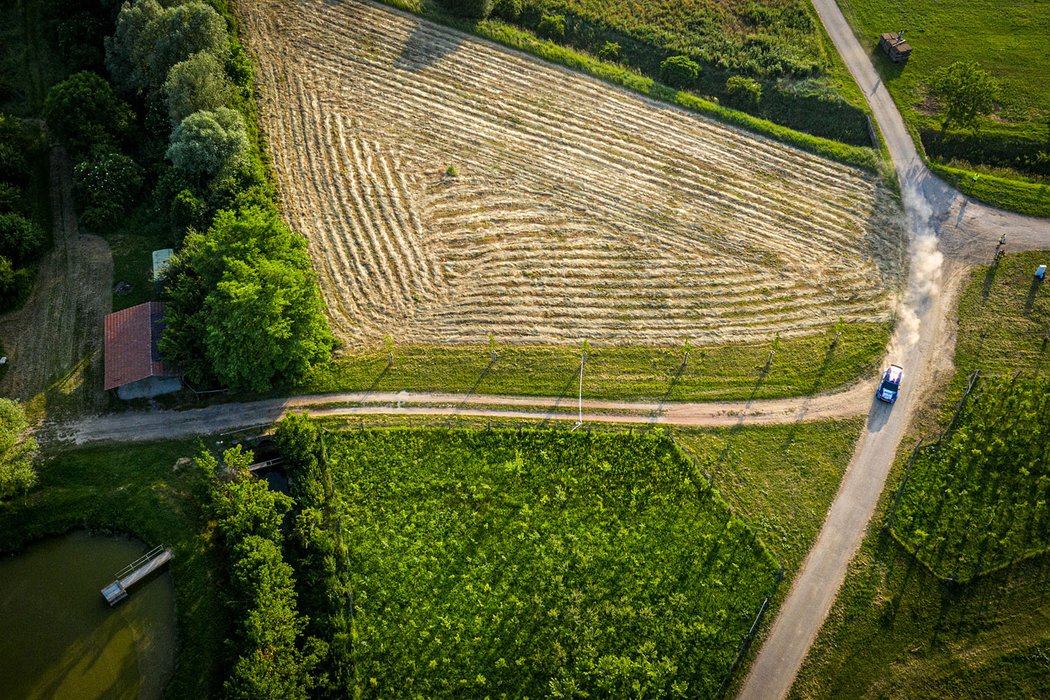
[{"x": 173, "y": 130}]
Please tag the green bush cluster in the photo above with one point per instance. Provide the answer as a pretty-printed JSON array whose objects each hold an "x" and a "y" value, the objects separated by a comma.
[
  {"x": 243, "y": 304},
  {"x": 679, "y": 71},
  {"x": 527, "y": 563},
  {"x": 272, "y": 657},
  {"x": 22, "y": 240},
  {"x": 980, "y": 499}
]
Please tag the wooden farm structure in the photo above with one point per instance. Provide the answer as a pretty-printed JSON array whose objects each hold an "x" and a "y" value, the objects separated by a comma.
[{"x": 894, "y": 45}]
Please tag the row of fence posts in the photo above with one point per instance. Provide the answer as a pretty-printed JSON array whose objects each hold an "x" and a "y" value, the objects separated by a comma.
[{"x": 745, "y": 643}]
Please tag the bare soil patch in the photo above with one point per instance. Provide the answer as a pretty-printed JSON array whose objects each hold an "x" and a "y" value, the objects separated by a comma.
[{"x": 578, "y": 210}]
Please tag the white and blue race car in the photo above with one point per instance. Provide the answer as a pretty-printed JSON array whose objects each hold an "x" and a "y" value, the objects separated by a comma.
[{"x": 890, "y": 386}]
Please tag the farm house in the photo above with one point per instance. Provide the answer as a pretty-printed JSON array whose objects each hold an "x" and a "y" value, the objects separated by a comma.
[{"x": 133, "y": 364}]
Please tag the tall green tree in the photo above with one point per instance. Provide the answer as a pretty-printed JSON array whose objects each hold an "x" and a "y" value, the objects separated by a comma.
[
  {"x": 149, "y": 39},
  {"x": 104, "y": 186},
  {"x": 18, "y": 450},
  {"x": 196, "y": 84},
  {"x": 243, "y": 307},
  {"x": 965, "y": 92},
  {"x": 83, "y": 112},
  {"x": 207, "y": 143}
]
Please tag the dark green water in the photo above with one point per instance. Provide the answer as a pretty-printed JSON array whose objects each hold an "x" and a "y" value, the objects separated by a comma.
[{"x": 59, "y": 639}]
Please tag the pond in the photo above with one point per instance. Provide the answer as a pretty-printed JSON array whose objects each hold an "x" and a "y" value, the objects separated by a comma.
[{"x": 61, "y": 640}]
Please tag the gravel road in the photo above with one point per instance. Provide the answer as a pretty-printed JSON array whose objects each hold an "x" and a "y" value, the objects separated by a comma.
[{"x": 964, "y": 232}]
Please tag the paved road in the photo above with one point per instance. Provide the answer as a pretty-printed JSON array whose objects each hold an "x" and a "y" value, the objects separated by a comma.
[
  {"x": 964, "y": 232},
  {"x": 156, "y": 425}
]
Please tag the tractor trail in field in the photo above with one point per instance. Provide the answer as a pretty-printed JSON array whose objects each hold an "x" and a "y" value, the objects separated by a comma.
[{"x": 572, "y": 209}]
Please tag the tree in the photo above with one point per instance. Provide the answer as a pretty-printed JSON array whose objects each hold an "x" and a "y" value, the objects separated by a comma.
[
  {"x": 744, "y": 89},
  {"x": 14, "y": 285},
  {"x": 149, "y": 39},
  {"x": 18, "y": 450},
  {"x": 206, "y": 143},
  {"x": 679, "y": 71},
  {"x": 197, "y": 84},
  {"x": 965, "y": 91},
  {"x": 243, "y": 306},
  {"x": 551, "y": 27},
  {"x": 21, "y": 240},
  {"x": 104, "y": 187},
  {"x": 83, "y": 112}
]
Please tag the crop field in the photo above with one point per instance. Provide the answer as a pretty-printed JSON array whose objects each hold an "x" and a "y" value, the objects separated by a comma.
[
  {"x": 528, "y": 564},
  {"x": 452, "y": 191},
  {"x": 978, "y": 501}
]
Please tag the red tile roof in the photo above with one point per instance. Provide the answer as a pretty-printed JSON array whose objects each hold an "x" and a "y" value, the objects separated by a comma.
[{"x": 131, "y": 345}]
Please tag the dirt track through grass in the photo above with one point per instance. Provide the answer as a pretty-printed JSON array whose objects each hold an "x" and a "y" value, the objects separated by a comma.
[{"x": 578, "y": 211}]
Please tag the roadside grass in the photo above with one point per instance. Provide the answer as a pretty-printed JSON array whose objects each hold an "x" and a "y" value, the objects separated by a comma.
[
  {"x": 1004, "y": 318},
  {"x": 139, "y": 490},
  {"x": 1009, "y": 41},
  {"x": 801, "y": 366},
  {"x": 780, "y": 478},
  {"x": 526, "y": 41},
  {"x": 897, "y": 630}
]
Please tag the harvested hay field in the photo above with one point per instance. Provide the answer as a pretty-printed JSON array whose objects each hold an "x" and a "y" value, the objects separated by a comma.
[{"x": 572, "y": 210}]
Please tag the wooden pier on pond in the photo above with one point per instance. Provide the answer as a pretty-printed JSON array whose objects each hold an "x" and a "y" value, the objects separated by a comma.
[{"x": 135, "y": 572}]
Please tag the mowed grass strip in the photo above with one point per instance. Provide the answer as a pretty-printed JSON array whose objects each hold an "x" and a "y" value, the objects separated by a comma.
[
  {"x": 527, "y": 563},
  {"x": 799, "y": 367}
]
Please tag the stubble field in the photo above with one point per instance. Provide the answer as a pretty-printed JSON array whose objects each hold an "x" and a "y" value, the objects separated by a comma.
[{"x": 572, "y": 211}]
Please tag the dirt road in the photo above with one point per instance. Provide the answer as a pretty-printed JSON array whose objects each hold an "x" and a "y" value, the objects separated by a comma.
[
  {"x": 55, "y": 340},
  {"x": 139, "y": 426},
  {"x": 941, "y": 222}
]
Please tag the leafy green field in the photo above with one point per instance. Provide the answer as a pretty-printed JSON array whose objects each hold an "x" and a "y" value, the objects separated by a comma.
[
  {"x": 978, "y": 500},
  {"x": 528, "y": 563},
  {"x": 800, "y": 366},
  {"x": 897, "y": 630},
  {"x": 1010, "y": 41}
]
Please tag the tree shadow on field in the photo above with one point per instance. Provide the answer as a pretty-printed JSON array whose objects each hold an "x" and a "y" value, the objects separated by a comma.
[{"x": 425, "y": 48}]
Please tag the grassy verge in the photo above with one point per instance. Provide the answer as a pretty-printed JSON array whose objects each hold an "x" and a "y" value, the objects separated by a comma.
[
  {"x": 1010, "y": 43},
  {"x": 143, "y": 491},
  {"x": 801, "y": 366},
  {"x": 897, "y": 630},
  {"x": 1024, "y": 196},
  {"x": 527, "y": 42}
]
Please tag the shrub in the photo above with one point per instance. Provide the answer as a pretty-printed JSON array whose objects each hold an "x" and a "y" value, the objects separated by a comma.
[
  {"x": 14, "y": 285},
  {"x": 509, "y": 10},
  {"x": 83, "y": 112},
  {"x": 21, "y": 240},
  {"x": 551, "y": 27},
  {"x": 679, "y": 71},
  {"x": 747, "y": 90},
  {"x": 610, "y": 51},
  {"x": 965, "y": 91},
  {"x": 475, "y": 9},
  {"x": 197, "y": 84},
  {"x": 12, "y": 199},
  {"x": 104, "y": 186}
]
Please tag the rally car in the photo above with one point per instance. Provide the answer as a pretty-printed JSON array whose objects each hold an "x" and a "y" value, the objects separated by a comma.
[{"x": 890, "y": 386}]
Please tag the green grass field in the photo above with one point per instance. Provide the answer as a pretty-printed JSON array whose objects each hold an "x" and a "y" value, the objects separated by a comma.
[
  {"x": 897, "y": 630},
  {"x": 1011, "y": 41},
  {"x": 801, "y": 366}
]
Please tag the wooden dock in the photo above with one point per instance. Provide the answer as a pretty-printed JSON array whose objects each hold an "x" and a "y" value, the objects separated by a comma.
[{"x": 135, "y": 572}]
